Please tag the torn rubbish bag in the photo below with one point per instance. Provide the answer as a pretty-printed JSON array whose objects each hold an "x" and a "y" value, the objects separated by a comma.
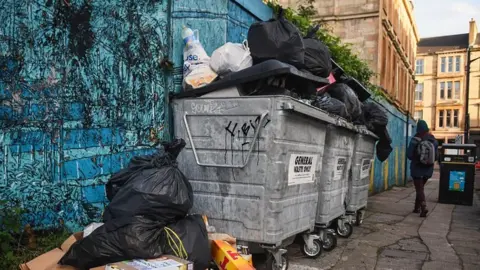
[
  {"x": 317, "y": 55},
  {"x": 193, "y": 237},
  {"x": 276, "y": 39},
  {"x": 346, "y": 95},
  {"x": 138, "y": 163},
  {"x": 160, "y": 191},
  {"x": 117, "y": 240}
]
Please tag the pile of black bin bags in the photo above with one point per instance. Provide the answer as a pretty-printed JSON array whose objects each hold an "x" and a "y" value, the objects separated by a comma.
[
  {"x": 149, "y": 202},
  {"x": 279, "y": 39}
]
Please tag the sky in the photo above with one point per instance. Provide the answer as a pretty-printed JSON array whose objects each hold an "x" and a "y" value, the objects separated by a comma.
[{"x": 445, "y": 17}]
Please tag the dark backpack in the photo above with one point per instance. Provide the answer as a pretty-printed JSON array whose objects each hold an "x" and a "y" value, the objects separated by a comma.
[{"x": 426, "y": 152}]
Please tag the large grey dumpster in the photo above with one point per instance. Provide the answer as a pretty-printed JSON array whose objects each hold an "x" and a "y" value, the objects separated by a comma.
[
  {"x": 252, "y": 163},
  {"x": 358, "y": 184},
  {"x": 333, "y": 184}
]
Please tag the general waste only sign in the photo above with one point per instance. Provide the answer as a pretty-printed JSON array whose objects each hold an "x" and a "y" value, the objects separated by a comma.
[{"x": 301, "y": 169}]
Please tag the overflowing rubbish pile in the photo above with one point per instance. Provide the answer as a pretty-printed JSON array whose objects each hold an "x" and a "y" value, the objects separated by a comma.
[
  {"x": 147, "y": 217},
  {"x": 277, "y": 60}
]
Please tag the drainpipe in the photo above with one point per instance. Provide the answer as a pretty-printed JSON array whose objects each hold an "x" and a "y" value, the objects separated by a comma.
[{"x": 407, "y": 125}]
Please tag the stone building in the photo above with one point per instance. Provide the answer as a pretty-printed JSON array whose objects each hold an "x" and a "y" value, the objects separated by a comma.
[
  {"x": 383, "y": 32},
  {"x": 440, "y": 94}
]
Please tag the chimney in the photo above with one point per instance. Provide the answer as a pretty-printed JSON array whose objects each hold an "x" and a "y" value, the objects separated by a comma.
[{"x": 472, "y": 33}]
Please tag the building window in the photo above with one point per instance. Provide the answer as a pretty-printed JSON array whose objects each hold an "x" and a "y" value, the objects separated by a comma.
[
  {"x": 440, "y": 118},
  {"x": 452, "y": 90},
  {"x": 449, "y": 90},
  {"x": 419, "y": 66},
  {"x": 455, "y": 118},
  {"x": 450, "y": 63},
  {"x": 443, "y": 60},
  {"x": 442, "y": 90},
  {"x": 448, "y": 118},
  {"x": 458, "y": 59},
  {"x": 419, "y": 92},
  {"x": 457, "y": 90},
  {"x": 418, "y": 115}
]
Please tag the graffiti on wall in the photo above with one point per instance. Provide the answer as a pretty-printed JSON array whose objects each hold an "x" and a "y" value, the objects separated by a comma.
[{"x": 81, "y": 92}]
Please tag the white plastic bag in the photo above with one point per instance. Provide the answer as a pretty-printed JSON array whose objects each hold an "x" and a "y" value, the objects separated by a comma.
[
  {"x": 90, "y": 228},
  {"x": 231, "y": 57}
]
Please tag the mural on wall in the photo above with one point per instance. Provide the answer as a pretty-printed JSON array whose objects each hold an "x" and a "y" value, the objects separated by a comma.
[{"x": 82, "y": 90}]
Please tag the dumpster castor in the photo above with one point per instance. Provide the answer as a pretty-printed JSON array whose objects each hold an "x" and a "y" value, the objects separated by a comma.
[
  {"x": 346, "y": 232},
  {"x": 359, "y": 218},
  {"x": 314, "y": 251},
  {"x": 272, "y": 263},
  {"x": 329, "y": 242}
]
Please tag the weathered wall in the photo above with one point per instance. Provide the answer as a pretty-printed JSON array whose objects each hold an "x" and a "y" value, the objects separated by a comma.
[
  {"x": 391, "y": 172},
  {"x": 82, "y": 90}
]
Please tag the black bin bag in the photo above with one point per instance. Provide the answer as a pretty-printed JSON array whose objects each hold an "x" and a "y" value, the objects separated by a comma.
[
  {"x": 139, "y": 163},
  {"x": 159, "y": 191},
  {"x": 115, "y": 241},
  {"x": 193, "y": 236},
  {"x": 331, "y": 105},
  {"x": 276, "y": 39},
  {"x": 383, "y": 150},
  {"x": 317, "y": 55},
  {"x": 374, "y": 116},
  {"x": 345, "y": 94}
]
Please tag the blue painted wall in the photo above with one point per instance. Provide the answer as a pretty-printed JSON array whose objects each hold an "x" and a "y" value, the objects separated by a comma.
[
  {"x": 82, "y": 90},
  {"x": 391, "y": 172}
]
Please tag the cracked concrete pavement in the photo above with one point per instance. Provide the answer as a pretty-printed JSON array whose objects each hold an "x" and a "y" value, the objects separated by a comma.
[{"x": 392, "y": 237}]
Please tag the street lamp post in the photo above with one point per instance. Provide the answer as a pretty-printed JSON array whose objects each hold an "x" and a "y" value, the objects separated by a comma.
[{"x": 467, "y": 86}]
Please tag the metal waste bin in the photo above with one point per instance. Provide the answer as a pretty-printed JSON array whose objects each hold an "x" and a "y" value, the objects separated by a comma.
[
  {"x": 359, "y": 180},
  {"x": 333, "y": 183},
  {"x": 457, "y": 174},
  {"x": 253, "y": 163}
]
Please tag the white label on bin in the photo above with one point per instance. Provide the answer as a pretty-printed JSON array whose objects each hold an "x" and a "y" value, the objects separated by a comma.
[
  {"x": 340, "y": 166},
  {"x": 365, "y": 171},
  {"x": 301, "y": 169}
]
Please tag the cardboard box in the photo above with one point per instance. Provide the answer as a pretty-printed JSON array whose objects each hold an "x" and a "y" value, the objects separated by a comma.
[
  {"x": 166, "y": 262},
  {"x": 49, "y": 260}
]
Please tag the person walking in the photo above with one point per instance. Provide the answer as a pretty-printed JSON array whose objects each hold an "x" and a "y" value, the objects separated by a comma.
[{"x": 423, "y": 152}]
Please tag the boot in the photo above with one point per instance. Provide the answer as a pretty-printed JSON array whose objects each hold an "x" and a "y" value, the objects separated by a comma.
[
  {"x": 416, "y": 209},
  {"x": 424, "y": 210}
]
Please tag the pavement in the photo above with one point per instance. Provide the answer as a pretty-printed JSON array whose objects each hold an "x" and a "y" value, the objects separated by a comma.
[{"x": 392, "y": 237}]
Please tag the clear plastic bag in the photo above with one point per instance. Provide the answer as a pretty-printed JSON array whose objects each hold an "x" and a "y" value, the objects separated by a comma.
[{"x": 231, "y": 57}]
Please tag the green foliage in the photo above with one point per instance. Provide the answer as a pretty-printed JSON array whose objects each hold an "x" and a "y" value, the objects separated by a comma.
[
  {"x": 342, "y": 53},
  {"x": 14, "y": 242}
]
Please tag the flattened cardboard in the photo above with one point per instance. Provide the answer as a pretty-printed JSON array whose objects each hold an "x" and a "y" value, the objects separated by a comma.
[
  {"x": 166, "y": 262},
  {"x": 71, "y": 240},
  {"x": 49, "y": 260},
  {"x": 45, "y": 261}
]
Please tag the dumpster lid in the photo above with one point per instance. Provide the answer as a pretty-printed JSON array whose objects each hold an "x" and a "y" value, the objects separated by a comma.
[
  {"x": 458, "y": 146},
  {"x": 270, "y": 68}
]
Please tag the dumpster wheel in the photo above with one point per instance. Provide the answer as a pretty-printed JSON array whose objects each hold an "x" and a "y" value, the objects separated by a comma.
[
  {"x": 359, "y": 219},
  {"x": 313, "y": 252},
  {"x": 347, "y": 232},
  {"x": 330, "y": 242},
  {"x": 271, "y": 264}
]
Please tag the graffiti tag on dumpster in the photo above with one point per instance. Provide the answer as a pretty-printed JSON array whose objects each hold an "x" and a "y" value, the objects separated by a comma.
[
  {"x": 240, "y": 134},
  {"x": 301, "y": 169}
]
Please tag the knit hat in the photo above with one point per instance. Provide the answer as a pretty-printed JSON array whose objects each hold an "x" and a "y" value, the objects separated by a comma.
[{"x": 422, "y": 126}]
